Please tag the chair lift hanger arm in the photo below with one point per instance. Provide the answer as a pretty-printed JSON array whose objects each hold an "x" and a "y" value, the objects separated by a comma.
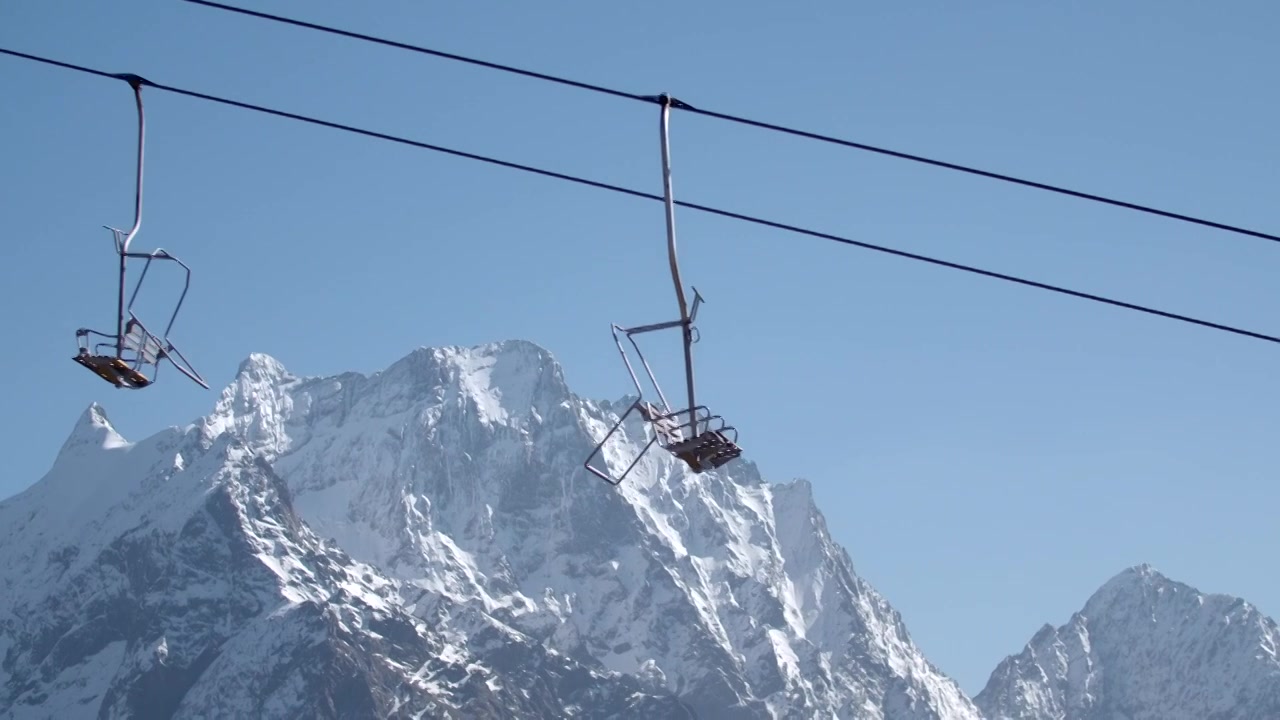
[
  {"x": 668, "y": 201},
  {"x": 122, "y": 246},
  {"x": 136, "y": 83}
]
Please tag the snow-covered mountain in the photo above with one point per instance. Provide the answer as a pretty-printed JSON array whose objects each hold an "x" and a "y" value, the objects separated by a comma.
[
  {"x": 1144, "y": 647},
  {"x": 426, "y": 539},
  {"x": 173, "y": 578}
]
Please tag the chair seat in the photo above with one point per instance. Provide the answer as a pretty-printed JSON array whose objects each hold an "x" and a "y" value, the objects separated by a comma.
[
  {"x": 707, "y": 451},
  {"x": 113, "y": 370}
]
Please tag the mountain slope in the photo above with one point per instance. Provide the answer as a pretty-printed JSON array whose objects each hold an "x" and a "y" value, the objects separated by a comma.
[
  {"x": 1144, "y": 646},
  {"x": 173, "y": 578},
  {"x": 457, "y": 471}
]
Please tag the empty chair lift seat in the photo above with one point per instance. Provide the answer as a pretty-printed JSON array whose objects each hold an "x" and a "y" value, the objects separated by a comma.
[{"x": 145, "y": 348}]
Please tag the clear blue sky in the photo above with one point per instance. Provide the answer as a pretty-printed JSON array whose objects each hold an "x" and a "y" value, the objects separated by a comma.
[{"x": 989, "y": 454}]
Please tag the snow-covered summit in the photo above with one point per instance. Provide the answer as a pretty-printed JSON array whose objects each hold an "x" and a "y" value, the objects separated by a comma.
[
  {"x": 91, "y": 432},
  {"x": 1144, "y": 646},
  {"x": 498, "y": 382}
]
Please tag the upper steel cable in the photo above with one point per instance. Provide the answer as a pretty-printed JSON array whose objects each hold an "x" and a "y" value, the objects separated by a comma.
[{"x": 1093, "y": 197}]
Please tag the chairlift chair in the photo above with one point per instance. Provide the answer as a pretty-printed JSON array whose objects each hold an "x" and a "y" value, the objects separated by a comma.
[
  {"x": 701, "y": 440},
  {"x": 123, "y": 358}
]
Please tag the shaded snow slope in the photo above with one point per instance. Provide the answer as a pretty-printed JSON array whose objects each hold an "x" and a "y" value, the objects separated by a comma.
[
  {"x": 458, "y": 472},
  {"x": 1144, "y": 646}
]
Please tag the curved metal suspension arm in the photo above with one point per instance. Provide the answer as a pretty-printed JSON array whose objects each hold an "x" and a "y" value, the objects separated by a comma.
[
  {"x": 666, "y": 101},
  {"x": 136, "y": 83},
  {"x": 122, "y": 246},
  {"x": 669, "y": 202}
]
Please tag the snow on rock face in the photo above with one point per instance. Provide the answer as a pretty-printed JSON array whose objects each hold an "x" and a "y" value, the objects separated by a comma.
[
  {"x": 458, "y": 472},
  {"x": 1144, "y": 646},
  {"x": 192, "y": 589}
]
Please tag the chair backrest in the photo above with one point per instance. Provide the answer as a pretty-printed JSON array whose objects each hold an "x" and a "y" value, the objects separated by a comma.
[
  {"x": 668, "y": 430},
  {"x": 142, "y": 342}
]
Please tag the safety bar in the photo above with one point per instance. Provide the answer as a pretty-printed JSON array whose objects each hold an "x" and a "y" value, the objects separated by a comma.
[
  {"x": 639, "y": 401},
  {"x": 186, "y": 368},
  {"x": 600, "y": 447},
  {"x": 627, "y": 361}
]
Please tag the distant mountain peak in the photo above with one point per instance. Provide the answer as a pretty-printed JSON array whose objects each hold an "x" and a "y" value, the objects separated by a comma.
[
  {"x": 1144, "y": 646},
  {"x": 92, "y": 431},
  {"x": 1140, "y": 574},
  {"x": 262, "y": 365},
  {"x": 1145, "y": 589}
]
